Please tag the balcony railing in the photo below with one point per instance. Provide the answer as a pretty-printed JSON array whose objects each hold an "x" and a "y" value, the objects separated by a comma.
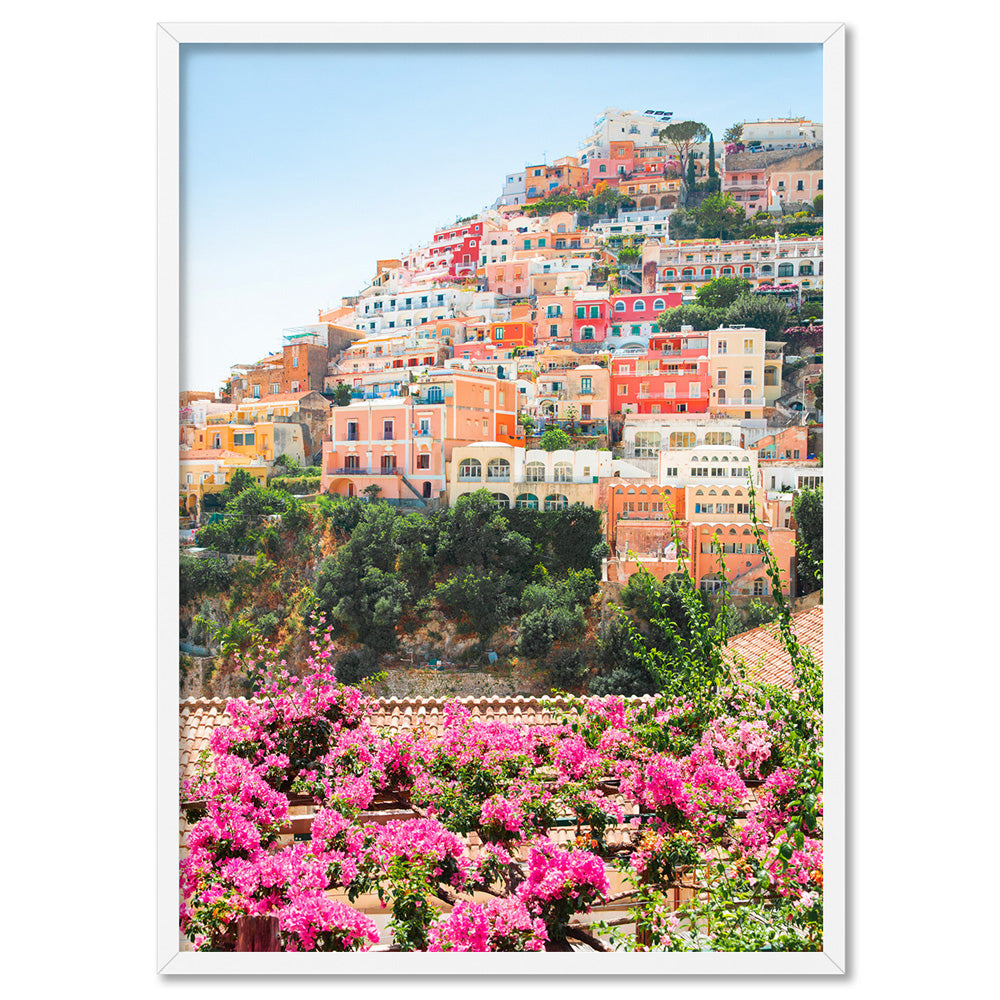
[{"x": 365, "y": 470}]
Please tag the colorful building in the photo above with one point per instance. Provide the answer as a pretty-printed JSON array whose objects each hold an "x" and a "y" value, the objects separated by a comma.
[
  {"x": 533, "y": 479},
  {"x": 671, "y": 377},
  {"x": 686, "y": 265},
  {"x": 401, "y": 443},
  {"x": 208, "y": 470}
]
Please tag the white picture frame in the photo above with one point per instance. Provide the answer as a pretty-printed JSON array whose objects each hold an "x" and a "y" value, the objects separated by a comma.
[{"x": 170, "y": 959}]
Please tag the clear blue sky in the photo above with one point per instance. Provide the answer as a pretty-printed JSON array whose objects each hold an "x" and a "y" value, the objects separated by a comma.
[{"x": 302, "y": 164}]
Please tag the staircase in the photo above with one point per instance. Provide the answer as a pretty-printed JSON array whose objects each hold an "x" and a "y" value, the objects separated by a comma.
[{"x": 413, "y": 490}]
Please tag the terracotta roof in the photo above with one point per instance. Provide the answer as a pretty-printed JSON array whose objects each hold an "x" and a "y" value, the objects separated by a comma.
[
  {"x": 199, "y": 716},
  {"x": 767, "y": 659}
]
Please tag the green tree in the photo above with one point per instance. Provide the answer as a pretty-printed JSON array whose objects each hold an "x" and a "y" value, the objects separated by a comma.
[
  {"x": 720, "y": 293},
  {"x": 712, "y": 170},
  {"x": 691, "y": 181},
  {"x": 682, "y": 137},
  {"x": 554, "y": 439},
  {"x": 621, "y": 668},
  {"x": 239, "y": 481},
  {"x": 480, "y": 596},
  {"x": 818, "y": 204},
  {"x": 342, "y": 394},
  {"x": 807, "y": 507},
  {"x": 720, "y": 215},
  {"x": 733, "y": 134},
  {"x": 475, "y": 533},
  {"x": 688, "y": 314},
  {"x": 766, "y": 312},
  {"x": 817, "y": 390},
  {"x": 358, "y": 586}
]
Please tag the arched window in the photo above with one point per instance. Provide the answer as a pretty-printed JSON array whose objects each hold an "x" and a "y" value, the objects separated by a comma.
[
  {"x": 527, "y": 501},
  {"x": 747, "y": 395},
  {"x": 659, "y": 304},
  {"x": 719, "y": 437},
  {"x": 707, "y": 272},
  {"x": 563, "y": 473},
  {"x": 759, "y": 587},
  {"x": 647, "y": 444},
  {"x": 725, "y": 493},
  {"x": 722, "y": 395},
  {"x": 688, "y": 272},
  {"x": 470, "y": 468},
  {"x": 498, "y": 469},
  {"x": 534, "y": 472},
  {"x": 619, "y": 307},
  {"x": 640, "y": 305},
  {"x": 501, "y": 500},
  {"x": 682, "y": 439},
  {"x": 556, "y": 501}
]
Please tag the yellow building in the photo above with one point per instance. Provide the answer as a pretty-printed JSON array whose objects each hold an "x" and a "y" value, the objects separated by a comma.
[
  {"x": 208, "y": 470},
  {"x": 736, "y": 357}
]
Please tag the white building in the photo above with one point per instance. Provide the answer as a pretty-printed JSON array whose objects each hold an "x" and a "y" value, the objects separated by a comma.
[{"x": 642, "y": 128}]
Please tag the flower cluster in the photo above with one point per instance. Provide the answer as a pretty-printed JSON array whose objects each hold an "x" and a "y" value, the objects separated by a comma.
[
  {"x": 316, "y": 923},
  {"x": 502, "y": 924}
]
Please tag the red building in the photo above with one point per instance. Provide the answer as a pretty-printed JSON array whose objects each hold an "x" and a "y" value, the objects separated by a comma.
[
  {"x": 460, "y": 246},
  {"x": 642, "y": 308},
  {"x": 590, "y": 318},
  {"x": 671, "y": 377}
]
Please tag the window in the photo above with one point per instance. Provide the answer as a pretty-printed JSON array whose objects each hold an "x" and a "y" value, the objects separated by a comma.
[
  {"x": 527, "y": 501},
  {"x": 470, "y": 468},
  {"x": 640, "y": 305},
  {"x": 595, "y": 312},
  {"x": 275, "y": 388},
  {"x": 563, "y": 473},
  {"x": 799, "y": 187},
  {"x": 720, "y": 379},
  {"x": 534, "y": 472},
  {"x": 352, "y": 431},
  {"x": 425, "y": 426},
  {"x": 556, "y": 501},
  {"x": 188, "y": 479},
  {"x": 748, "y": 346},
  {"x": 723, "y": 347},
  {"x": 619, "y": 307},
  {"x": 256, "y": 392},
  {"x": 295, "y": 362},
  {"x": 659, "y": 304},
  {"x": 498, "y": 469},
  {"x": 581, "y": 312},
  {"x": 386, "y": 430},
  {"x": 388, "y": 464},
  {"x": 748, "y": 376},
  {"x": 501, "y": 500},
  {"x": 622, "y": 390}
]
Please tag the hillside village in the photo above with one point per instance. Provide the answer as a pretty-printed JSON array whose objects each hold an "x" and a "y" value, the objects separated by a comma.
[{"x": 622, "y": 357}]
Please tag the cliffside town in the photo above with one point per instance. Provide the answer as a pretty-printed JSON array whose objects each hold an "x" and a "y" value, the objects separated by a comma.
[{"x": 634, "y": 331}]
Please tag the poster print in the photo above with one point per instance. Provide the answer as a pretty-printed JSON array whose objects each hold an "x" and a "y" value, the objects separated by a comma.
[{"x": 501, "y": 481}]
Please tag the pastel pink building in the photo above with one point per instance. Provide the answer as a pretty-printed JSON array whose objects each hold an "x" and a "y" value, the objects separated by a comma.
[{"x": 402, "y": 442}]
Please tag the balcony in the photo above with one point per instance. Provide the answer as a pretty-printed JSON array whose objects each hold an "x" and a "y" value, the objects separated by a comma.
[{"x": 365, "y": 470}]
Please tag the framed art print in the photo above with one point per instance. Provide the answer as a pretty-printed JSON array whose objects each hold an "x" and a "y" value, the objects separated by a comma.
[{"x": 504, "y": 626}]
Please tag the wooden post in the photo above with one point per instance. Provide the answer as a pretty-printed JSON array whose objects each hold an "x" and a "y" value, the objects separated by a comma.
[{"x": 257, "y": 934}]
